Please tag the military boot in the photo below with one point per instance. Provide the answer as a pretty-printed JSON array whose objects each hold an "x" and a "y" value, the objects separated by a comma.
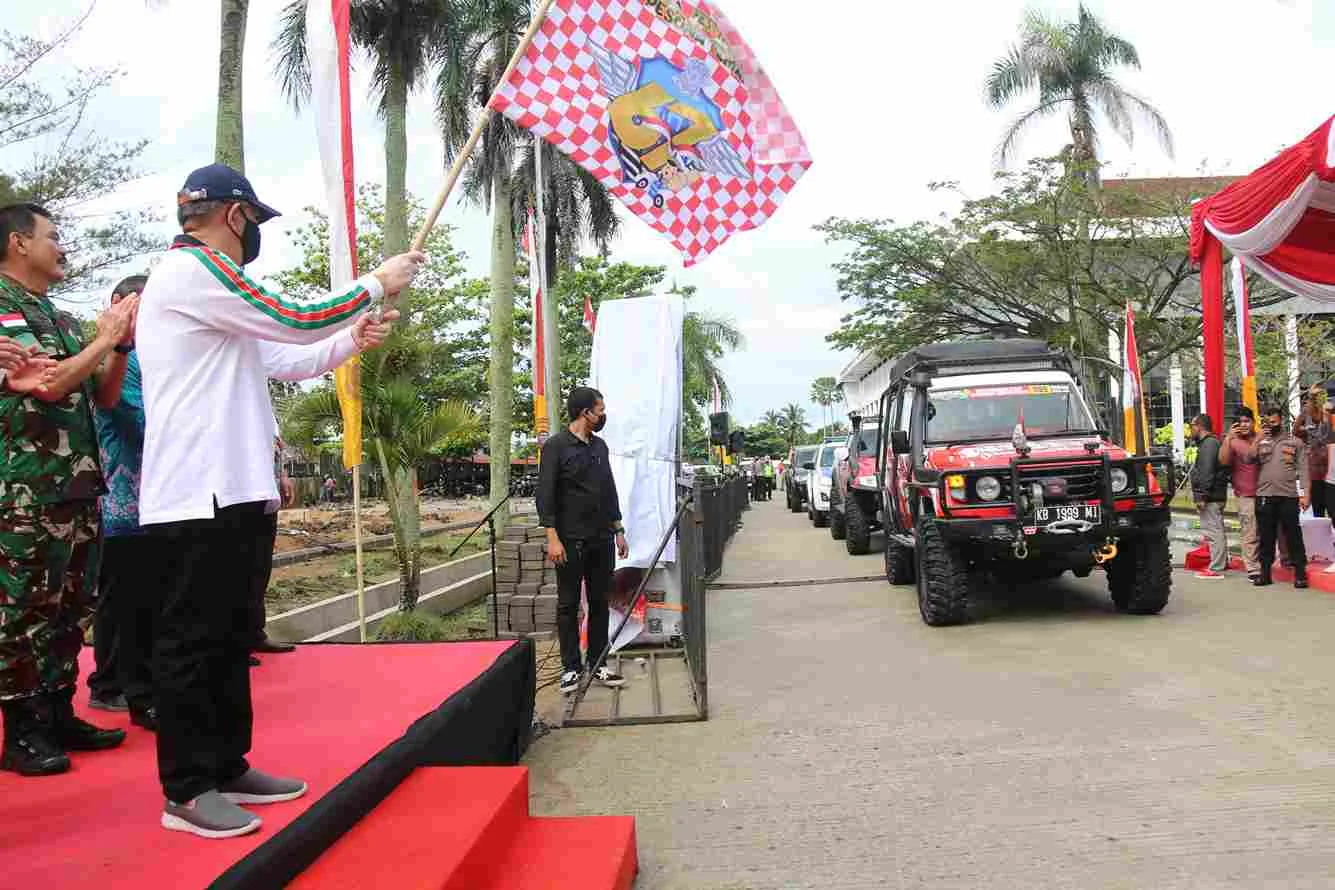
[
  {"x": 74, "y": 734},
  {"x": 29, "y": 749}
]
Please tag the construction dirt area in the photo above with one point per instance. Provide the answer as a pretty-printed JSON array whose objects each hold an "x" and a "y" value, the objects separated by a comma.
[{"x": 325, "y": 575}]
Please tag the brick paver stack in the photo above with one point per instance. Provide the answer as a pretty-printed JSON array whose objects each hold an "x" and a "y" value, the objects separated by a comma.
[{"x": 525, "y": 583}]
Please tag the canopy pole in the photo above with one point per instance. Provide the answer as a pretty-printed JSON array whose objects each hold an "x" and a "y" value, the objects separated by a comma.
[
  {"x": 457, "y": 168},
  {"x": 357, "y": 539}
]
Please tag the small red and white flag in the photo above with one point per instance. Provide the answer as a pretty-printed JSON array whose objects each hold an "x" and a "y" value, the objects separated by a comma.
[
  {"x": 12, "y": 320},
  {"x": 665, "y": 104},
  {"x": 328, "y": 42},
  {"x": 590, "y": 317},
  {"x": 1134, "y": 425}
]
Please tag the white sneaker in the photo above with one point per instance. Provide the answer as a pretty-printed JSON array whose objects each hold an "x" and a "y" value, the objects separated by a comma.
[
  {"x": 569, "y": 682},
  {"x": 210, "y": 815},
  {"x": 608, "y": 677}
]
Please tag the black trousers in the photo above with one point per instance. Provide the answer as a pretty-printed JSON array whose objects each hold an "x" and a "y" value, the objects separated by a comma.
[
  {"x": 589, "y": 562},
  {"x": 263, "y": 571},
  {"x": 203, "y": 645},
  {"x": 129, "y": 597},
  {"x": 1272, "y": 516},
  {"x": 1321, "y": 504}
]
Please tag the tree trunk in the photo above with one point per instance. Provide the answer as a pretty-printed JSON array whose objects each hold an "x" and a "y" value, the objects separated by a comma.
[
  {"x": 502, "y": 338},
  {"x": 396, "y": 165},
  {"x": 229, "y": 142}
]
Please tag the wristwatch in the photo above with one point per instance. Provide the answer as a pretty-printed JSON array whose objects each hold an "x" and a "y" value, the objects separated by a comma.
[{"x": 121, "y": 349}]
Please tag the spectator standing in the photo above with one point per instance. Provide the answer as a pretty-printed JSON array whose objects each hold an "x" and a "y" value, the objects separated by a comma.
[
  {"x": 1314, "y": 429},
  {"x": 329, "y": 488},
  {"x": 50, "y": 480},
  {"x": 1235, "y": 453},
  {"x": 208, "y": 477},
  {"x": 1209, "y": 489},
  {"x": 129, "y": 583},
  {"x": 577, "y": 504},
  {"x": 1281, "y": 494}
]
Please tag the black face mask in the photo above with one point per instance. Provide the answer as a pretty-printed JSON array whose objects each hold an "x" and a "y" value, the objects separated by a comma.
[
  {"x": 599, "y": 423},
  {"x": 250, "y": 240}
]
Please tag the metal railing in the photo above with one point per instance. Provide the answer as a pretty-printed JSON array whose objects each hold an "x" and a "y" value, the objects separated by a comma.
[{"x": 721, "y": 502}]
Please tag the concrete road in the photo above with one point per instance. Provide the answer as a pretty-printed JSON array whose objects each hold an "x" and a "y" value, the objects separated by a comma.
[{"x": 1053, "y": 744}]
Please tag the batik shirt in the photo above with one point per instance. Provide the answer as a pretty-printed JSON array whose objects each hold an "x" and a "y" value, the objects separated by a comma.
[
  {"x": 120, "y": 439},
  {"x": 48, "y": 450}
]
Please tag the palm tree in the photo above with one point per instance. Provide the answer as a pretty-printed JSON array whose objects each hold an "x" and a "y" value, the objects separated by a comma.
[
  {"x": 825, "y": 392},
  {"x": 773, "y": 418},
  {"x": 1070, "y": 63},
  {"x": 405, "y": 39},
  {"x": 402, "y": 431},
  {"x": 705, "y": 338},
  {"x": 229, "y": 142},
  {"x": 794, "y": 422}
]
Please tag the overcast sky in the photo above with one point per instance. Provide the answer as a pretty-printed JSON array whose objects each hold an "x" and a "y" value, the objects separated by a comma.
[{"x": 888, "y": 94}]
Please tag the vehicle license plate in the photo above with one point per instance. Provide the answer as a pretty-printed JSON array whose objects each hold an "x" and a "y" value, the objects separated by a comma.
[{"x": 1087, "y": 512}]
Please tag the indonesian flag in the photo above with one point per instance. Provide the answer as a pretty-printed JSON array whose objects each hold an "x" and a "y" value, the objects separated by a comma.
[
  {"x": 1134, "y": 423},
  {"x": 590, "y": 317},
  {"x": 718, "y": 397},
  {"x": 666, "y": 105},
  {"x": 1246, "y": 354},
  {"x": 327, "y": 46},
  {"x": 541, "y": 426}
]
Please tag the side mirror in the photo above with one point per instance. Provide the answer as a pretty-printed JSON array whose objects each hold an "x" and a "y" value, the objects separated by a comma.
[
  {"x": 899, "y": 441},
  {"x": 809, "y": 465}
]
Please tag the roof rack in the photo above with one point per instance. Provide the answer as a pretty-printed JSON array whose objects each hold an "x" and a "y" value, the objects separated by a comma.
[{"x": 963, "y": 356}]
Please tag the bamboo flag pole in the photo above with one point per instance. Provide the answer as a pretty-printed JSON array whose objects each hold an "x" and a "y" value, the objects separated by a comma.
[
  {"x": 457, "y": 168},
  {"x": 357, "y": 533}
]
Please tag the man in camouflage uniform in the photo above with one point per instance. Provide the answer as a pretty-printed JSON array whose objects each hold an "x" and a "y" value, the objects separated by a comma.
[{"x": 49, "y": 483}]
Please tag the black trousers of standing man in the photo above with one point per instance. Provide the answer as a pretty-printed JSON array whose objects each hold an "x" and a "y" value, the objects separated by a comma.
[
  {"x": 203, "y": 649},
  {"x": 260, "y": 577},
  {"x": 129, "y": 597},
  {"x": 589, "y": 562},
  {"x": 1273, "y": 515}
]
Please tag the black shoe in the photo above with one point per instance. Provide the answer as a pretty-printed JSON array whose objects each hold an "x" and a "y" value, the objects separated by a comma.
[
  {"x": 115, "y": 702},
  {"x": 1300, "y": 582},
  {"x": 147, "y": 718},
  {"x": 1261, "y": 581},
  {"x": 74, "y": 734},
  {"x": 608, "y": 677},
  {"x": 272, "y": 647},
  {"x": 29, "y": 749},
  {"x": 255, "y": 662}
]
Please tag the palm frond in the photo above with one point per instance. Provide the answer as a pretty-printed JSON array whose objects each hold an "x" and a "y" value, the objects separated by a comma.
[
  {"x": 1011, "y": 76},
  {"x": 1110, "y": 99},
  {"x": 1151, "y": 115},
  {"x": 291, "y": 63},
  {"x": 1010, "y": 139}
]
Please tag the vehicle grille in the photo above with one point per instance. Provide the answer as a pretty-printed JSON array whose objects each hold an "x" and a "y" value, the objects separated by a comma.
[{"x": 1083, "y": 482}]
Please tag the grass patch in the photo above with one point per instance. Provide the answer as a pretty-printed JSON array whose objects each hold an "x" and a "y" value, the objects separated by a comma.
[{"x": 468, "y": 623}]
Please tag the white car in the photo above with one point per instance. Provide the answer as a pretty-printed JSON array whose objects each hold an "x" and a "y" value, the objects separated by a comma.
[{"x": 819, "y": 481}]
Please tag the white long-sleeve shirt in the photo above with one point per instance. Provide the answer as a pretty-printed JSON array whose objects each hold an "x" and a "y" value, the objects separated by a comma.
[{"x": 208, "y": 338}]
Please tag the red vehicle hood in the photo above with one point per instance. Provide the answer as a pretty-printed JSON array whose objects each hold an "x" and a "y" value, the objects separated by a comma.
[{"x": 982, "y": 455}]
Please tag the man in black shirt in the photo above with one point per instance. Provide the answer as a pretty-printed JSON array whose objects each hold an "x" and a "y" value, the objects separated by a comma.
[{"x": 577, "y": 504}]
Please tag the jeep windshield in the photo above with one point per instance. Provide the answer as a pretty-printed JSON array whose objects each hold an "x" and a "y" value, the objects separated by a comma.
[
  {"x": 981, "y": 413},
  {"x": 804, "y": 456},
  {"x": 867, "y": 437}
]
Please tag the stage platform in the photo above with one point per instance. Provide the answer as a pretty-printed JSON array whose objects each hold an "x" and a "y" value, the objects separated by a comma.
[{"x": 352, "y": 721}]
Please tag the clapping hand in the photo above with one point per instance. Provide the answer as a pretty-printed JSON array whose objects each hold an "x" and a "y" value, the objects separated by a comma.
[
  {"x": 36, "y": 372},
  {"x": 117, "y": 323}
]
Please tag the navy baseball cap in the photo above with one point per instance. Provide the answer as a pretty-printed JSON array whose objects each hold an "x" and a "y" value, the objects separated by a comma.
[{"x": 219, "y": 182}]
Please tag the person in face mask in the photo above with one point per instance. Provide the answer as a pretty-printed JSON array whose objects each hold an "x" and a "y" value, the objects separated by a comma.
[
  {"x": 577, "y": 504},
  {"x": 210, "y": 338},
  {"x": 1282, "y": 488}
]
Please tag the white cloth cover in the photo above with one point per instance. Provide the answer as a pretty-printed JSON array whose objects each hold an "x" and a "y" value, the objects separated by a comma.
[{"x": 636, "y": 365}]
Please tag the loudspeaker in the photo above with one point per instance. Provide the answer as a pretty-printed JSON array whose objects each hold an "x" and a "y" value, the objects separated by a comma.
[
  {"x": 718, "y": 428},
  {"x": 737, "y": 442}
]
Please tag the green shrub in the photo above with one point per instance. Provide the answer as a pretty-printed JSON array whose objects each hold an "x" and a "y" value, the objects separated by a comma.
[{"x": 412, "y": 627}]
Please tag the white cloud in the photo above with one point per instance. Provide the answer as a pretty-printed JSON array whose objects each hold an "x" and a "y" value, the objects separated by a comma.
[{"x": 889, "y": 95}]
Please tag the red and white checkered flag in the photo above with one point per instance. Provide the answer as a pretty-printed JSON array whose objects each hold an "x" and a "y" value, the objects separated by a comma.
[{"x": 664, "y": 103}]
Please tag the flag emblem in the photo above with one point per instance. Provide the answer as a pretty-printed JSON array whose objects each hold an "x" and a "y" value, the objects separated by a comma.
[
  {"x": 13, "y": 320},
  {"x": 665, "y": 104}
]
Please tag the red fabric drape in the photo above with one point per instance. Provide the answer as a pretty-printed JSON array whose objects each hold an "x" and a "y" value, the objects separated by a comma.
[
  {"x": 1212, "y": 316},
  {"x": 1309, "y": 252}
]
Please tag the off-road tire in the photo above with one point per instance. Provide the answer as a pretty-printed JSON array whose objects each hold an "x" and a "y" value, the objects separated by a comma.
[
  {"x": 1140, "y": 579},
  {"x": 899, "y": 562},
  {"x": 821, "y": 518},
  {"x": 838, "y": 521},
  {"x": 943, "y": 578},
  {"x": 856, "y": 527},
  {"x": 794, "y": 503}
]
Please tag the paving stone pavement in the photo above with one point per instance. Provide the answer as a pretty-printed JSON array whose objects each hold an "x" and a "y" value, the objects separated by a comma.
[{"x": 1052, "y": 744}]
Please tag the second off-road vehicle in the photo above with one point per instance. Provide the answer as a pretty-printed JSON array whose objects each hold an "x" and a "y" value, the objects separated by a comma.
[
  {"x": 996, "y": 472},
  {"x": 855, "y": 496}
]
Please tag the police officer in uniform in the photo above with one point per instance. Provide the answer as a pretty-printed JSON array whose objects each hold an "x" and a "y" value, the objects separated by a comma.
[{"x": 50, "y": 480}]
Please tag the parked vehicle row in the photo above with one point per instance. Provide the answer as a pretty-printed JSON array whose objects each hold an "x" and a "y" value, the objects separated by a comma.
[{"x": 986, "y": 466}]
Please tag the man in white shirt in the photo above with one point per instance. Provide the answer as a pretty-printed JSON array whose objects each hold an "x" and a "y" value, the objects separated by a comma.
[{"x": 208, "y": 476}]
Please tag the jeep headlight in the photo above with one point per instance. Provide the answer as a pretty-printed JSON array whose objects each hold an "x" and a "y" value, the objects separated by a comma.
[
  {"x": 988, "y": 488},
  {"x": 1119, "y": 479}
]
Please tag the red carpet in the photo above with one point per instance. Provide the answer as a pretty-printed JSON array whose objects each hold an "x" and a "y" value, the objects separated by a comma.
[
  {"x": 320, "y": 713},
  {"x": 468, "y": 828}
]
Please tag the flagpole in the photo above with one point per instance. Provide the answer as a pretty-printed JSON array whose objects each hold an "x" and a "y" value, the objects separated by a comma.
[
  {"x": 457, "y": 168},
  {"x": 547, "y": 314},
  {"x": 357, "y": 546}
]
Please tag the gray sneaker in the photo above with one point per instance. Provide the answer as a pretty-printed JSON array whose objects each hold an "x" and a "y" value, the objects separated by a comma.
[
  {"x": 209, "y": 815},
  {"x": 258, "y": 787}
]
